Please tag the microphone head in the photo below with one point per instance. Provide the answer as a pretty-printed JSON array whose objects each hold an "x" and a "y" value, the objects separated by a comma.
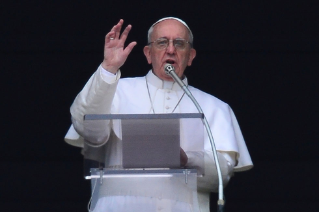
[{"x": 168, "y": 68}]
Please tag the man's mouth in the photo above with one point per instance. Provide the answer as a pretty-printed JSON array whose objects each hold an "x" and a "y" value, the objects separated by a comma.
[{"x": 172, "y": 62}]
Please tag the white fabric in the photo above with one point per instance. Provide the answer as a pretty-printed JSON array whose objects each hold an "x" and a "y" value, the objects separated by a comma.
[{"x": 105, "y": 93}]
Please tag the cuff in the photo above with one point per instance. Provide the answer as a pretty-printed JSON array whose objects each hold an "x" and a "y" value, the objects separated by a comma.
[{"x": 109, "y": 77}]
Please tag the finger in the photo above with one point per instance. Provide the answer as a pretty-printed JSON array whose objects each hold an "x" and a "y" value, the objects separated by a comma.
[
  {"x": 110, "y": 36},
  {"x": 129, "y": 48},
  {"x": 120, "y": 23},
  {"x": 125, "y": 33},
  {"x": 115, "y": 31},
  {"x": 117, "y": 28}
]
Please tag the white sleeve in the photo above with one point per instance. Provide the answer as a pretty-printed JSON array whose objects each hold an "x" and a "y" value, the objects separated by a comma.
[
  {"x": 95, "y": 98},
  {"x": 209, "y": 181}
]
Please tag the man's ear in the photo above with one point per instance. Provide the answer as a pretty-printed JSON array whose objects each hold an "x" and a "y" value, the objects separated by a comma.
[
  {"x": 192, "y": 55},
  {"x": 147, "y": 53}
]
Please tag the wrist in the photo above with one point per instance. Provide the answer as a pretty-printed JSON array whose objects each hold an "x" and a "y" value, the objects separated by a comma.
[{"x": 109, "y": 68}]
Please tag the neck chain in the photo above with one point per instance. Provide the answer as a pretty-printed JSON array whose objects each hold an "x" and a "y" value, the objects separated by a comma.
[{"x": 149, "y": 95}]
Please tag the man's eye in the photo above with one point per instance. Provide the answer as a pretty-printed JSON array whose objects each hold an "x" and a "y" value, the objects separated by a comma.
[
  {"x": 162, "y": 42},
  {"x": 179, "y": 43}
]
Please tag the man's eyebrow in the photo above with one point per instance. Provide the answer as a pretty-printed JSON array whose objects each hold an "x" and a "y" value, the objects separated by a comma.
[{"x": 168, "y": 38}]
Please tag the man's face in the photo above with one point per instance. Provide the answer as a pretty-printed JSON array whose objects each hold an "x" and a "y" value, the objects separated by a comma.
[{"x": 180, "y": 59}]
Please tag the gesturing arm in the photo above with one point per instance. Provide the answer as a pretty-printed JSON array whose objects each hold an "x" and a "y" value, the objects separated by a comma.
[{"x": 97, "y": 95}]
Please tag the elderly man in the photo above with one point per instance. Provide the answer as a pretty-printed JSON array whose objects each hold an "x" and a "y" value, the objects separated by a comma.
[{"x": 169, "y": 41}]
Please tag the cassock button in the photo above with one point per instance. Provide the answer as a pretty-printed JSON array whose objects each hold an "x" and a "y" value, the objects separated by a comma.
[
  {"x": 167, "y": 107},
  {"x": 168, "y": 98}
]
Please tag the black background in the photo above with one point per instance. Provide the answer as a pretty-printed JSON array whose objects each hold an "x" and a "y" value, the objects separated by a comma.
[{"x": 261, "y": 57}]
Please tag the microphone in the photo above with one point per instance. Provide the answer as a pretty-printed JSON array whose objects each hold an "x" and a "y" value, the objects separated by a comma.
[{"x": 170, "y": 70}]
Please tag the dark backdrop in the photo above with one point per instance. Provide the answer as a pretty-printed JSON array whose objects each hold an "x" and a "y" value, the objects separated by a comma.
[{"x": 260, "y": 57}]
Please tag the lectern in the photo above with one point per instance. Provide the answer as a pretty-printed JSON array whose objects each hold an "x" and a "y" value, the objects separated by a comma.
[{"x": 145, "y": 159}]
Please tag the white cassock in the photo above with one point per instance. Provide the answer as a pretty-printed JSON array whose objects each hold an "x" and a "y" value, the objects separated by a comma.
[{"x": 106, "y": 93}]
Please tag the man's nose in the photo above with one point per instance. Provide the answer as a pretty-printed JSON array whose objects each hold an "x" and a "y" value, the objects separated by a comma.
[{"x": 170, "y": 48}]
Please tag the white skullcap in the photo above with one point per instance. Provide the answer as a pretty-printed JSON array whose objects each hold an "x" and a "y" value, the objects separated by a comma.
[{"x": 177, "y": 19}]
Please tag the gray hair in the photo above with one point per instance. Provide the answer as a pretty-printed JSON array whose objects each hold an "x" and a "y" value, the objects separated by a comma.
[{"x": 150, "y": 31}]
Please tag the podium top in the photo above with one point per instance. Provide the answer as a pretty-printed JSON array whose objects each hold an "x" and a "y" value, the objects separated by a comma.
[{"x": 143, "y": 116}]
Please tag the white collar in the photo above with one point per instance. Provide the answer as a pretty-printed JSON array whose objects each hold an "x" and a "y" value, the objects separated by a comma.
[{"x": 163, "y": 84}]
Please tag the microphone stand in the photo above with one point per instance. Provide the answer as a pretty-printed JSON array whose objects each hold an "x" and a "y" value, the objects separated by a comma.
[{"x": 170, "y": 70}]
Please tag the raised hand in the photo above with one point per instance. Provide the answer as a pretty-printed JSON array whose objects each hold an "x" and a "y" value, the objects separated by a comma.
[{"x": 115, "y": 54}]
